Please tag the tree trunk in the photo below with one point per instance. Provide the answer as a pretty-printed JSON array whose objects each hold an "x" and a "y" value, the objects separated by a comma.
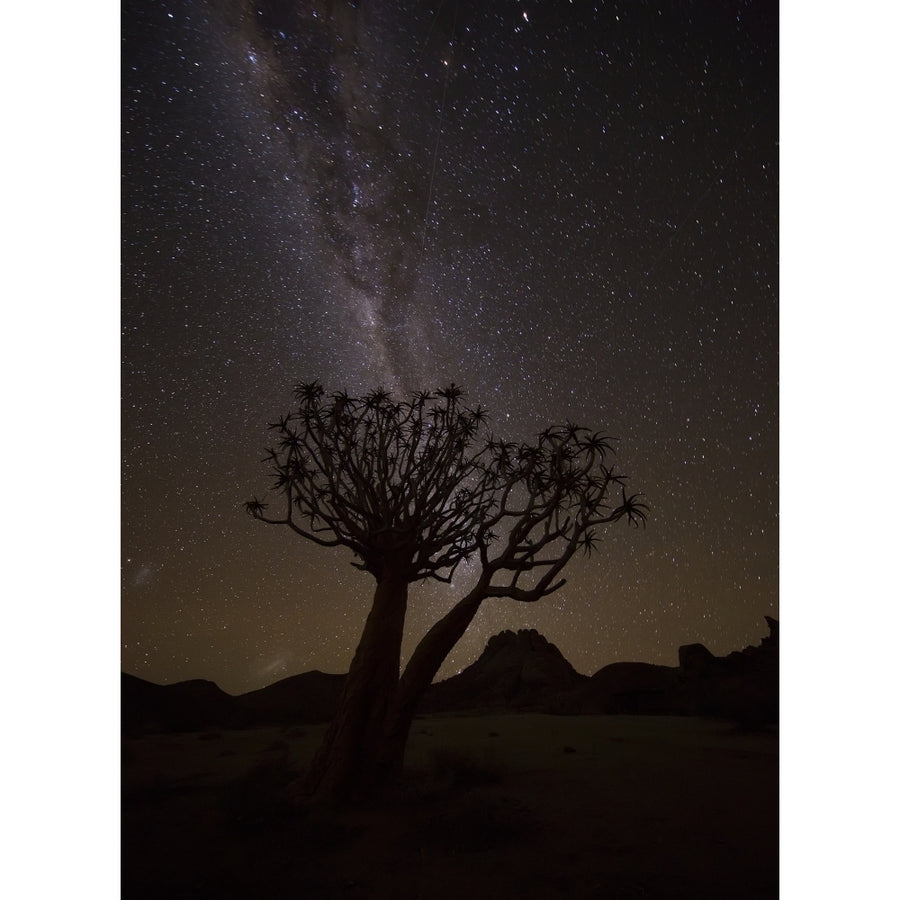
[
  {"x": 428, "y": 657},
  {"x": 346, "y": 763}
]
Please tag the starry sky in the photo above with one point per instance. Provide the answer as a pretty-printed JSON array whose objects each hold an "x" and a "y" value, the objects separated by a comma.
[{"x": 570, "y": 209}]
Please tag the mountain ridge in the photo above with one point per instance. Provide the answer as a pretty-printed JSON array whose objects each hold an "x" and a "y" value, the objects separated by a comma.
[{"x": 516, "y": 672}]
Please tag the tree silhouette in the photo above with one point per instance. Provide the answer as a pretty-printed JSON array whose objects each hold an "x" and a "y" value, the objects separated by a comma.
[{"x": 414, "y": 488}]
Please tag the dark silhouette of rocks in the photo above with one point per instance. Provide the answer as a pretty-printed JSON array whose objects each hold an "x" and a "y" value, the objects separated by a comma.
[
  {"x": 517, "y": 672},
  {"x": 742, "y": 686}
]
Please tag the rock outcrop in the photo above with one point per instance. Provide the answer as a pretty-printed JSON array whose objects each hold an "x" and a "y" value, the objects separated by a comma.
[
  {"x": 742, "y": 686},
  {"x": 516, "y": 671}
]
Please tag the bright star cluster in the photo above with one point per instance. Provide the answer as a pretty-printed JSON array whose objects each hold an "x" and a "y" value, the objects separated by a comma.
[{"x": 571, "y": 209}]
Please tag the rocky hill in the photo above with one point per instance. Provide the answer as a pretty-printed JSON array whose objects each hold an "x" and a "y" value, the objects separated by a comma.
[
  {"x": 309, "y": 697},
  {"x": 187, "y": 706},
  {"x": 516, "y": 671}
]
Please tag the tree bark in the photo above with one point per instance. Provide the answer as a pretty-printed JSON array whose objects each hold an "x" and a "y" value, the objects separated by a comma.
[
  {"x": 347, "y": 763},
  {"x": 428, "y": 657}
]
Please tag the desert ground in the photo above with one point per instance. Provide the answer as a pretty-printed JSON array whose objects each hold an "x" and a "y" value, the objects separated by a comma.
[{"x": 509, "y": 806}]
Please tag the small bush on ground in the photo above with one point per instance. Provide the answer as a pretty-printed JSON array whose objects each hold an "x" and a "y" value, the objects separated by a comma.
[{"x": 466, "y": 769}]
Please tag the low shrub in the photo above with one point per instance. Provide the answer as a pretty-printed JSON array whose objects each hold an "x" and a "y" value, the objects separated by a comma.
[{"x": 466, "y": 769}]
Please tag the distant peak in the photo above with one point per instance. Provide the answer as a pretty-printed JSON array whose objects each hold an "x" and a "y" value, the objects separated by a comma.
[{"x": 526, "y": 637}]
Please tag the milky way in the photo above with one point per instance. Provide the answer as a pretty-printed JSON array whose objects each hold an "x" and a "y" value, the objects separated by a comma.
[{"x": 569, "y": 209}]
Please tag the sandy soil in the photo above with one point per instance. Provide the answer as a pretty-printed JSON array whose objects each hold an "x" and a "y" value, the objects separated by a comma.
[{"x": 519, "y": 806}]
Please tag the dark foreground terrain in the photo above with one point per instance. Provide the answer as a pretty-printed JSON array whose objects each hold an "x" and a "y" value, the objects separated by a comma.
[{"x": 527, "y": 806}]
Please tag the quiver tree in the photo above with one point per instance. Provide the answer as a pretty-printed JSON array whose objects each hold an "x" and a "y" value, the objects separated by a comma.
[{"x": 414, "y": 488}]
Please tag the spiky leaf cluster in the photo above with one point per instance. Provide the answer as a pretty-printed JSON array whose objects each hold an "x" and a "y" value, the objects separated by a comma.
[
  {"x": 399, "y": 483},
  {"x": 415, "y": 485},
  {"x": 557, "y": 492}
]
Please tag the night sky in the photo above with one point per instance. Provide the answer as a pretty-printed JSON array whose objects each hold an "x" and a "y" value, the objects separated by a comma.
[{"x": 570, "y": 209}]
